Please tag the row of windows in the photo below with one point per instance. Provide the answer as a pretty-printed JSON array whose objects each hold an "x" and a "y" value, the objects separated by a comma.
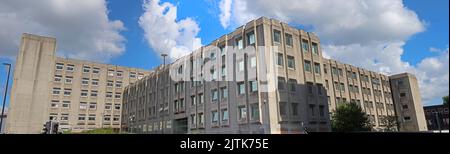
[
  {"x": 96, "y": 70},
  {"x": 82, "y": 117},
  {"x": 291, "y": 63},
  {"x": 84, "y": 93},
  {"x": 224, "y": 117},
  {"x": 292, "y": 84},
  {"x": 85, "y": 81},
  {"x": 93, "y": 106},
  {"x": 289, "y": 42}
]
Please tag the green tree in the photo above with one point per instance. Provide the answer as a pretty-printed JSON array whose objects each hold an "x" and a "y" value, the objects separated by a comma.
[
  {"x": 445, "y": 99},
  {"x": 349, "y": 117},
  {"x": 390, "y": 122}
]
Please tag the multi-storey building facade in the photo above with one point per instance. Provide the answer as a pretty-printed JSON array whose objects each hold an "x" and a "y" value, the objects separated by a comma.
[
  {"x": 370, "y": 90},
  {"x": 284, "y": 86},
  {"x": 437, "y": 117},
  {"x": 80, "y": 95},
  {"x": 408, "y": 102}
]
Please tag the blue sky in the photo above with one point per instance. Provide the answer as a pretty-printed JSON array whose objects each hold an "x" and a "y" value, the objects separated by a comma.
[{"x": 412, "y": 46}]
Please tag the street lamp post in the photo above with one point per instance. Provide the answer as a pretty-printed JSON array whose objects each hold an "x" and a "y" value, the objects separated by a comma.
[{"x": 4, "y": 96}]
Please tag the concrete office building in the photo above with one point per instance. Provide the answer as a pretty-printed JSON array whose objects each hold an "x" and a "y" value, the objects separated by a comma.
[
  {"x": 286, "y": 86},
  {"x": 437, "y": 117},
  {"x": 80, "y": 95}
]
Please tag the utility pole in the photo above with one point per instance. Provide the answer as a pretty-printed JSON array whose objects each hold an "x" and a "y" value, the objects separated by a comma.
[{"x": 4, "y": 96}]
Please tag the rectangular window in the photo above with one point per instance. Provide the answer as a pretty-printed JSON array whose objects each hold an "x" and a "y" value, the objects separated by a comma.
[
  {"x": 283, "y": 109},
  {"x": 57, "y": 78},
  {"x": 69, "y": 79},
  {"x": 201, "y": 118},
  {"x": 95, "y": 82},
  {"x": 67, "y": 92},
  {"x": 340, "y": 72},
  {"x": 214, "y": 117},
  {"x": 64, "y": 117},
  {"x": 83, "y": 105},
  {"x": 319, "y": 89},
  {"x": 70, "y": 67},
  {"x": 108, "y": 106},
  {"x": 307, "y": 66},
  {"x": 92, "y": 106},
  {"x": 215, "y": 95},
  {"x": 241, "y": 88},
  {"x": 254, "y": 111},
  {"x": 281, "y": 83},
  {"x": 224, "y": 115},
  {"x": 193, "y": 100},
  {"x": 294, "y": 107},
  {"x": 321, "y": 110},
  {"x": 253, "y": 86},
  {"x": 224, "y": 92},
  {"x": 342, "y": 87},
  {"x": 54, "y": 104},
  {"x": 110, "y": 72},
  {"x": 253, "y": 62},
  {"x": 118, "y": 95},
  {"x": 81, "y": 117},
  {"x": 239, "y": 43},
  {"x": 85, "y": 81},
  {"x": 119, "y": 73},
  {"x": 193, "y": 120},
  {"x": 117, "y": 106},
  {"x": 66, "y": 104},
  {"x": 109, "y": 83},
  {"x": 276, "y": 36},
  {"x": 108, "y": 94},
  {"x": 95, "y": 70},
  {"x": 242, "y": 112},
  {"x": 84, "y": 93},
  {"x": 223, "y": 71},
  {"x": 317, "y": 68},
  {"x": 201, "y": 98},
  {"x": 59, "y": 66},
  {"x": 94, "y": 93},
  {"x": 132, "y": 74},
  {"x": 241, "y": 66},
  {"x": 292, "y": 84},
  {"x": 309, "y": 85},
  {"x": 280, "y": 60},
  {"x": 288, "y": 39},
  {"x": 251, "y": 38},
  {"x": 86, "y": 69},
  {"x": 315, "y": 49},
  {"x": 305, "y": 46},
  {"x": 291, "y": 62},
  {"x": 402, "y": 94},
  {"x": 312, "y": 109},
  {"x": 116, "y": 118},
  {"x": 91, "y": 117}
]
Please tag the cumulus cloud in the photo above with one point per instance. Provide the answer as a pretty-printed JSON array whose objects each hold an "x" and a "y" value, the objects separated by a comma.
[
  {"x": 365, "y": 33},
  {"x": 225, "y": 12},
  {"x": 339, "y": 21},
  {"x": 164, "y": 33},
  {"x": 82, "y": 28}
]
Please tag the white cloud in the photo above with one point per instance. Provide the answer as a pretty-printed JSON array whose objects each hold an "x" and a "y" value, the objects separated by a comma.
[
  {"x": 164, "y": 33},
  {"x": 225, "y": 12},
  {"x": 433, "y": 76},
  {"x": 365, "y": 33},
  {"x": 82, "y": 28}
]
